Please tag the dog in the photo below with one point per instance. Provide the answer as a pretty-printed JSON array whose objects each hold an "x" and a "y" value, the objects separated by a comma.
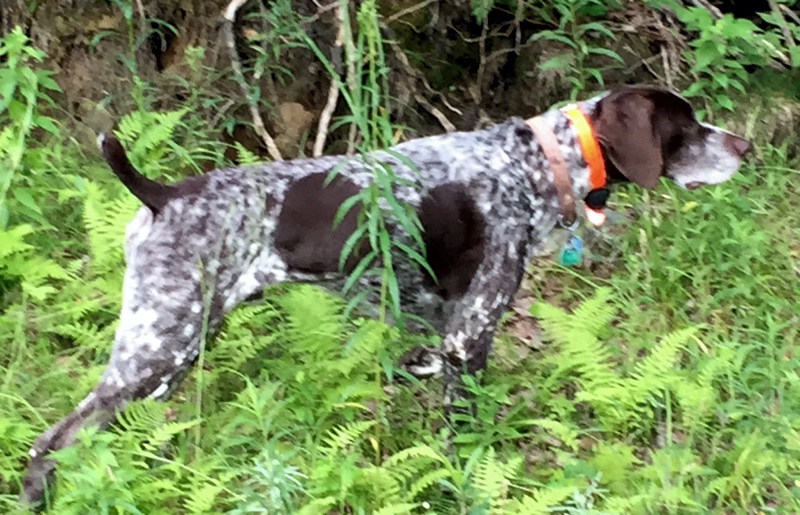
[{"x": 486, "y": 201}]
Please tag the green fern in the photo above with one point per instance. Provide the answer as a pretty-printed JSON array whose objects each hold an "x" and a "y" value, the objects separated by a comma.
[
  {"x": 314, "y": 323},
  {"x": 596, "y": 313},
  {"x": 141, "y": 417},
  {"x": 561, "y": 430},
  {"x": 581, "y": 352},
  {"x": 18, "y": 262},
  {"x": 698, "y": 398},
  {"x": 617, "y": 397},
  {"x": 163, "y": 433},
  {"x": 105, "y": 221},
  {"x": 658, "y": 367},
  {"x": 540, "y": 502},
  {"x": 494, "y": 478},
  {"x": 343, "y": 437},
  {"x": 317, "y": 506},
  {"x": 245, "y": 156},
  {"x": 147, "y": 136},
  {"x": 396, "y": 509},
  {"x": 240, "y": 340}
]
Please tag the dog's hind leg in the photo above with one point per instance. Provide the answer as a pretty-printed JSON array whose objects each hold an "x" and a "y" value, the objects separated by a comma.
[
  {"x": 166, "y": 311},
  {"x": 156, "y": 343}
]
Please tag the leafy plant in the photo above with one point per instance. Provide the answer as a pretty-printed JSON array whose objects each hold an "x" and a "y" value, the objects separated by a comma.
[
  {"x": 613, "y": 411},
  {"x": 721, "y": 52},
  {"x": 578, "y": 26},
  {"x": 23, "y": 88}
]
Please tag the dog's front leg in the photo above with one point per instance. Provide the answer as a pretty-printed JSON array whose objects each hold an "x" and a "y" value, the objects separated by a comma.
[
  {"x": 472, "y": 321},
  {"x": 470, "y": 330}
]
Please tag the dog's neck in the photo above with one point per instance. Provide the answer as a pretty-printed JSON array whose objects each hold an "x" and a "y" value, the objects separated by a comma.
[{"x": 573, "y": 155}]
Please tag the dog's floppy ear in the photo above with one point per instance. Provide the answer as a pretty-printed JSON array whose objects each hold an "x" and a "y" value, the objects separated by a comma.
[{"x": 624, "y": 126}]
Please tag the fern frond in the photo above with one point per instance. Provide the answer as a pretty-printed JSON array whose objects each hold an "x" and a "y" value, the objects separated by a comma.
[
  {"x": 568, "y": 436},
  {"x": 396, "y": 509},
  {"x": 494, "y": 478},
  {"x": 417, "y": 452},
  {"x": 317, "y": 506},
  {"x": 540, "y": 502},
  {"x": 427, "y": 480},
  {"x": 236, "y": 342},
  {"x": 697, "y": 402},
  {"x": 105, "y": 222},
  {"x": 245, "y": 157},
  {"x": 631, "y": 504},
  {"x": 580, "y": 348},
  {"x": 142, "y": 416},
  {"x": 164, "y": 433},
  {"x": 85, "y": 334},
  {"x": 382, "y": 483},
  {"x": 14, "y": 241},
  {"x": 661, "y": 361},
  {"x": 596, "y": 313},
  {"x": 203, "y": 497},
  {"x": 342, "y": 437},
  {"x": 698, "y": 398},
  {"x": 158, "y": 129},
  {"x": 314, "y": 322}
]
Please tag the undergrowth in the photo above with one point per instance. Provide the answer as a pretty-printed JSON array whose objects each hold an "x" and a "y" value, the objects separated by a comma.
[{"x": 666, "y": 380}]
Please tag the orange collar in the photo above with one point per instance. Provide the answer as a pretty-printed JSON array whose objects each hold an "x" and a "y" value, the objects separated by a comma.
[{"x": 592, "y": 154}]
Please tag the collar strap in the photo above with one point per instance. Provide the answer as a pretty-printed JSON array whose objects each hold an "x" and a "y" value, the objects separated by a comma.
[
  {"x": 590, "y": 148},
  {"x": 558, "y": 165}
]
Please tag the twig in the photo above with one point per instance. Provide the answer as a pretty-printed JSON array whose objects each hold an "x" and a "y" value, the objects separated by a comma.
[
  {"x": 787, "y": 32},
  {"x": 350, "y": 59},
  {"x": 228, "y": 21},
  {"x": 415, "y": 75},
  {"x": 478, "y": 89},
  {"x": 222, "y": 111},
  {"x": 333, "y": 89},
  {"x": 518, "y": 25},
  {"x": 413, "y": 72},
  {"x": 667, "y": 68},
  {"x": 435, "y": 112},
  {"x": 142, "y": 16},
  {"x": 408, "y": 10},
  {"x": 790, "y": 13},
  {"x": 715, "y": 12}
]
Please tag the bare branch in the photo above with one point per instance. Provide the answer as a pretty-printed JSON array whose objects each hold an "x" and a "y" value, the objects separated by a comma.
[
  {"x": 435, "y": 112},
  {"x": 258, "y": 123},
  {"x": 408, "y": 10},
  {"x": 705, "y": 4},
  {"x": 333, "y": 89},
  {"x": 414, "y": 74},
  {"x": 787, "y": 32},
  {"x": 142, "y": 16}
]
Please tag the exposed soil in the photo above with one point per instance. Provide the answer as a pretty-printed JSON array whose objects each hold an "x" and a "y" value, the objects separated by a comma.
[{"x": 473, "y": 73}]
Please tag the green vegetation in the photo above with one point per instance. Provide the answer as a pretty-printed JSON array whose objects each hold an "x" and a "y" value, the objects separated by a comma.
[{"x": 666, "y": 379}]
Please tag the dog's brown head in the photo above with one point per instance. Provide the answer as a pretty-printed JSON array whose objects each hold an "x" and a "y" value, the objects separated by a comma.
[{"x": 648, "y": 132}]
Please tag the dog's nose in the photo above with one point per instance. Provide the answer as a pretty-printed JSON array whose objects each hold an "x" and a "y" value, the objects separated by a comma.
[{"x": 739, "y": 146}]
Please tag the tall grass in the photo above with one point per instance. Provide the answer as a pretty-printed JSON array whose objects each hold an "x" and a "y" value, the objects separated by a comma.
[{"x": 666, "y": 381}]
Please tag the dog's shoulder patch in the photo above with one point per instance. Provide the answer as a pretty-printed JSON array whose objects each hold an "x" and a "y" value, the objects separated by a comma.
[
  {"x": 305, "y": 236},
  {"x": 454, "y": 233}
]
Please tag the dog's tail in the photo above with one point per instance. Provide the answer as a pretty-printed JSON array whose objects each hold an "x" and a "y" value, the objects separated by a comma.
[{"x": 152, "y": 194}]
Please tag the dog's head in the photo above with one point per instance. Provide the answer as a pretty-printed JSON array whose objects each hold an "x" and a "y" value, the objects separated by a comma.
[{"x": 647, "y": 132}]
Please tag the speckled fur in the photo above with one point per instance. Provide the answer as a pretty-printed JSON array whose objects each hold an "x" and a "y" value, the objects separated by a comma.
[{"x": 206, "y": 252}]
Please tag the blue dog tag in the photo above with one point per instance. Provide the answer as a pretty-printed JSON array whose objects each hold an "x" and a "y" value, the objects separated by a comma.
[{"x": 572, "y": 252}]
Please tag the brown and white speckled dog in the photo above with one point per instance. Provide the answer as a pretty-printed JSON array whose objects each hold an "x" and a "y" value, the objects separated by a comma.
[{"x": 486, "y": 199}]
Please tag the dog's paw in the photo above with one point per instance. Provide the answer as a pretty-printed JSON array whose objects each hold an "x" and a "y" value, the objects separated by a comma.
[
  {"x": 38, "y": 482},
  {"x": 422, "y": 362}
]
